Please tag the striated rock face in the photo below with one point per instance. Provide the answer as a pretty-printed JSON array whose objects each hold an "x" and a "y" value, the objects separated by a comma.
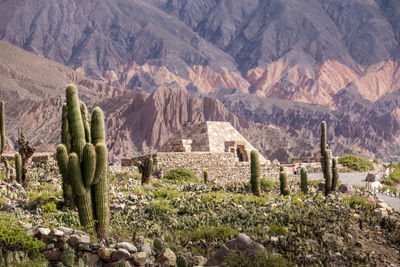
[{"x": 263, "y": 60}]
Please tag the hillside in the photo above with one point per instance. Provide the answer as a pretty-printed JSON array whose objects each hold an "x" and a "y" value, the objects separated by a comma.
[{"x": 340, "y": 58}]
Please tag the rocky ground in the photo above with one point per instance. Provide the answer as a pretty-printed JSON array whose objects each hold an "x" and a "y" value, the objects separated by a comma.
[{"x": 206, "y": 224}]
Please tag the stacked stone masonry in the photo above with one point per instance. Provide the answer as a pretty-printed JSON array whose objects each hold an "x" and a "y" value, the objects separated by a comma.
[{"x": 221, "y": 166}]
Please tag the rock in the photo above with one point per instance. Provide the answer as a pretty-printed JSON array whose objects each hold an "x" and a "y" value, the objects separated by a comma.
[
  {"x": 382, "y": 212},
  {"x": 65, "y": 229},
  {"x": 125, "y": 245},
  {"x": 92, "y": 259},
  {"x": 274, "y": 240},
  {"x": 199, "y": 260},
  {"x": 146, "y": 248},
  {"x": 76, "y": 239},
  {"x": 41, "y": 232},
  {"x": 84, "y": 247},
  {"x": 356, "y": 216},
  {"x": 121, "y": 254},
  {"x": 105, "y": 253},
  {"x": 331, "y": 197},
  {"x": 52, "y": 255},
  {"x": 140, "y": 258},
  {"x": 385, "y": 206},
  {"x": 346, "y": 188},
  {"x": 56, "y": 232},
  {"x": 50, "y": 246},
  {"x": 167, "y": 256}
]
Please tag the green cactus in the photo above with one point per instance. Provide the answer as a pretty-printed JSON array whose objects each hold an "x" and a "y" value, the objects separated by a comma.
[
  {"x": 304, "y": 187},
  {"x": 181, "y": 261},
  {"x": 281, "y": 168},
  {"x": 255, "y": 173},
  {"x": 323, "y": 146},
  {"x": 205, "y": 176},
  {"x": 283, "y": 184},
  {"x": 84, "y": 166},
  {"x": 335, "y": 174},
  {"x": 328, "y": 171},
  {"x": 18, "y": 167},
  {"x": 146, "y": 169}
]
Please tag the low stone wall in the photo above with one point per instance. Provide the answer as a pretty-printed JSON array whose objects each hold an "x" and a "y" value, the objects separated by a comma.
[
  {"x": 38, "y": 157},
  {"x": 221, "y": 167}
]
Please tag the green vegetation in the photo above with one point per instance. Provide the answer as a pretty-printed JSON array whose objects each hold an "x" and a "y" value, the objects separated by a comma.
[
  {"x": 257, "y": 258},
  {"x": 283, "y": 184},
  {"x": 181, "y": 175},
  {"x": 14, "y": 237},
  {"x": 358, "y": 202},
  {"x": 83, "y": 163},
  {"x": 255, "y": 173},
  {"x": 267, "y": 184},
  {"x": 355, "y": 163},
  {"x": 303, "y": 183}
]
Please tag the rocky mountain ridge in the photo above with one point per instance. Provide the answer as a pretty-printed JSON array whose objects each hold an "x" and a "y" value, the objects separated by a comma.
[{"x": 343, "y": 57}]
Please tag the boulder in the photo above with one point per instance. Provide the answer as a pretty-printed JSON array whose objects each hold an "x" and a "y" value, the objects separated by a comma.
[
  {"x": 52, "y": 255},
  {"x": 166, "y": 256},
  {"x": 76, "y": 239},
  {"x": 346, "y": 188},
  {"x": 105, "y": 253},
  {"x": 139, "y": 258},
  {"x": 121, "y": 254},
  {"x": 128, "y": 246}
]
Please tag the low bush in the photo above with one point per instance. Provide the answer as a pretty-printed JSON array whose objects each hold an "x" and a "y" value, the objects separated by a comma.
[
  {"x": 167, "y": 193},
  {"x": 268, "y": 185},
  {"x": 14, "y": 237},
  {"x": 181, "y": 175},
  {"x": 355, "y": 163},
  {"x": 256, "y": 258},
  {"x": 358, "y": 202}
]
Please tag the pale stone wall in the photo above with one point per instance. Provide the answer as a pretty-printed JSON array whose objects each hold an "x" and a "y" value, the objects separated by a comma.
[{"x": 221, "y": 167}]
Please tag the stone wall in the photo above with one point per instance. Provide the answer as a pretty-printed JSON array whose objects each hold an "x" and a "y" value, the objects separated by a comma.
[{"x": 222, "y": 167}]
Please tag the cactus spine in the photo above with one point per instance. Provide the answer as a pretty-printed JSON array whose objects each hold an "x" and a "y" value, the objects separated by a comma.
[
  {"x": 255, "y": 173},
  {"x": 84, "y": 166},
  {"x": 303, "y": 185},
  {"x": 283, "y": 184},
  {"x": 205, "y": 176},
  {"x": 18, "y": 167}
]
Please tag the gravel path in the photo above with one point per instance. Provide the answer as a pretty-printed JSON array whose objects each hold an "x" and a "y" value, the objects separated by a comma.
[{"x": 357, "y": 179}]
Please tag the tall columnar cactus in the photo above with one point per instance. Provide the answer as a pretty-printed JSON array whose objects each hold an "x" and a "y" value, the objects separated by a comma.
[
  {"x": 205, "y": 176},
  {"x": 255, "y": 173},
  {"x": 335, "y": 174},
  {"x": 283, "y": 184},
  {"x": 181, "y": 261},
  {"x": 18, "y": 167},
  {"x": 82, "y": 161},
  {"x": 323, "y": 147},
  {"x": 146, "y": 168},
  {"x": 303, "y": 183},
  {"x": 328, "y": 171}
]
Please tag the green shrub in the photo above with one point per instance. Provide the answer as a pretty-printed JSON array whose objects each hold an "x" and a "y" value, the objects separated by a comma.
[
  {"x": 49, "y": 207},
  {"x": 267, "y": 184},
  {"x": 167, "y": 193},
  {"x": 355, "y": 163},
  {"x": 161, "y": 208},
  {"x": 275, "y": 230},
  {"x": 14, "y": 237},
  {"x": 213, "y": 233},
  {"x": 181, "y": 175},
  {"x": 358, "y": 202},
  {"x": 395, "y": 176},
  {"x": 257, "y": 258}
]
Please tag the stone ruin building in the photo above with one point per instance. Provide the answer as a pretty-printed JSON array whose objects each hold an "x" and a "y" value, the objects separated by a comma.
[{"x": 213, "y": 146}]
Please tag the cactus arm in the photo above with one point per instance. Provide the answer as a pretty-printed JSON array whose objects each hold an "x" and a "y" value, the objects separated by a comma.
[
  {"x": 335, "y": 174},
  {"x": 85, "y": 120},
  {"x": 18, "y": 167},
  {"x": 62, "y": 160},
  {"x": 102, "y": 208},
  {"x": 97, "y": 126},
  {"x": 65, "y": 130},
  {"x": 101, "y": 162},
  {"x": 88, "y": 164},
  {"x": 75, "y": 121},
  {"x": 75, "y": 175}
]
